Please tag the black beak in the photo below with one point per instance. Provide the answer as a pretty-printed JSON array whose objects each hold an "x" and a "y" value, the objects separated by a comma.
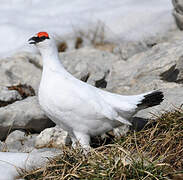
[{"x": 33, "y": 40}]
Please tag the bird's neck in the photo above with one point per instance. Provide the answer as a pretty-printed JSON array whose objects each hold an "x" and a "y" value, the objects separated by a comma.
[{"x": 51, "y": 59}]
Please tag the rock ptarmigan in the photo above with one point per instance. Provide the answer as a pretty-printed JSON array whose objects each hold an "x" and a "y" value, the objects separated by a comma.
[{"x": 78, "y": 107}]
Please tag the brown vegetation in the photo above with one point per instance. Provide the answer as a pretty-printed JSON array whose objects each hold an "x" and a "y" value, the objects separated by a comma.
[{"x": 156, "y": 152}]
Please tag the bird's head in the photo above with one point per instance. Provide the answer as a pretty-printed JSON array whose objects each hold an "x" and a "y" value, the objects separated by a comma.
[
  {"x": 45, "y": 44},
  {"x": 41, "y": 40}
]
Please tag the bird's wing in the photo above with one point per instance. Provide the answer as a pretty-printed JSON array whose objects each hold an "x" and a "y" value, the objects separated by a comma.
[
  {"x": 102, "y": 109},
  {"x": 125, "y": 106},
  {"x": 84, "y": 100},
  {"x": 108, "y": 109}
]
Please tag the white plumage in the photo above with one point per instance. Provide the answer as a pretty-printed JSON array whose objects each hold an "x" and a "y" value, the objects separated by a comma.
[{"x": 78, "y": 107}]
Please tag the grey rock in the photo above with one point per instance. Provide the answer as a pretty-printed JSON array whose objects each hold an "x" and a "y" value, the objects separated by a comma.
[
  {"x": 178, "y": 12},
  {"x": 18, "y": 141},
  {"x": 178, "y": 18},
  {"x": 142, "y": 71},
  {"x": 26, "y": 68},
  {"x": 20, "y": 68},
  {"x": 8, "y": 96},
  {"x": 15, "y": 136},
  {"x": 174, "y": 73},
  {"x": 52, "y": 137},
  {"x": 89, "y": 61},
  {"x": 23, "y": 115},
  {"x": 173, "y": 99},
  {"x": 178, "y": 5},
  {"x": 1, "y": 146},
  {"x": 128, "y": 49}
]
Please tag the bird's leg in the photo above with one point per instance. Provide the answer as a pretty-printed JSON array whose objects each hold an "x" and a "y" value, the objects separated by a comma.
[
  {"x": 121, "y": 130},
  {"x": 75, "y": 142},
  {"x": 82, "y": 139}
]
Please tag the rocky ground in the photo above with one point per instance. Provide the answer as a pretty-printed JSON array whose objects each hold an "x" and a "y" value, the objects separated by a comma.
[
  {"x": 157, "y": 67},
  {"x": 129, "y": 68}
]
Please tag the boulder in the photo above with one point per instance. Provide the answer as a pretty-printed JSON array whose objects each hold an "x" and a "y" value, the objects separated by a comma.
[
  {"x": 92, "y": 62},
  {"x": 52, "y": 137},
  {"x": 8, "y": 96},
  {"x": 20, "y": 68},
  {"x": 173, "y": 99},
  {"x": 23, "y": 115},
  {"x": 15, "y": 136},
  {"x": 178, "y": 12},
  {"x": 174, "y": 73},
  {"x": 18, "y": 141},
  {"x": 143, "y": 71},
  {"x": 125, "y": 50}
]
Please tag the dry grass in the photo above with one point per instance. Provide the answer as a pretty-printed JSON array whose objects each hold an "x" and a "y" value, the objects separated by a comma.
[
  {"x": 153, "y": 153},
  {"x": 161, "y": 139}
]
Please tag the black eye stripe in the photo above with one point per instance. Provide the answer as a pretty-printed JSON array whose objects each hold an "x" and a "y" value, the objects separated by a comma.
[
  {"x": 39, "y": 39},
  {"x": 44, "y": 37}
]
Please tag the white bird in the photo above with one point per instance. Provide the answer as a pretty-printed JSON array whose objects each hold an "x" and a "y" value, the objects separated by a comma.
[{"x": 79, "y": 108}]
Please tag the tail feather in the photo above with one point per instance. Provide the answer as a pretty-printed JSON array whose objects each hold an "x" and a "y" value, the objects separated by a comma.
[{"x": 151, "y": 99}]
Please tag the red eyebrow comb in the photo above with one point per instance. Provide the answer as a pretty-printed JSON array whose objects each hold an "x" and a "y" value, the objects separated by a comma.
[{"x": 41, "y": 34}]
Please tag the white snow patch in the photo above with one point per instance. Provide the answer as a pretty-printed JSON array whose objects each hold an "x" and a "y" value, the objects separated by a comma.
[
  {"x": 12, "y": 163},
  {"x": 124, "y": 19},
  {"x": 9, "y": 163}
]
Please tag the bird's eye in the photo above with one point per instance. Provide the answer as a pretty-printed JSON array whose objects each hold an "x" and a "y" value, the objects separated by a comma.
[{"x": 43, "y": 38}]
